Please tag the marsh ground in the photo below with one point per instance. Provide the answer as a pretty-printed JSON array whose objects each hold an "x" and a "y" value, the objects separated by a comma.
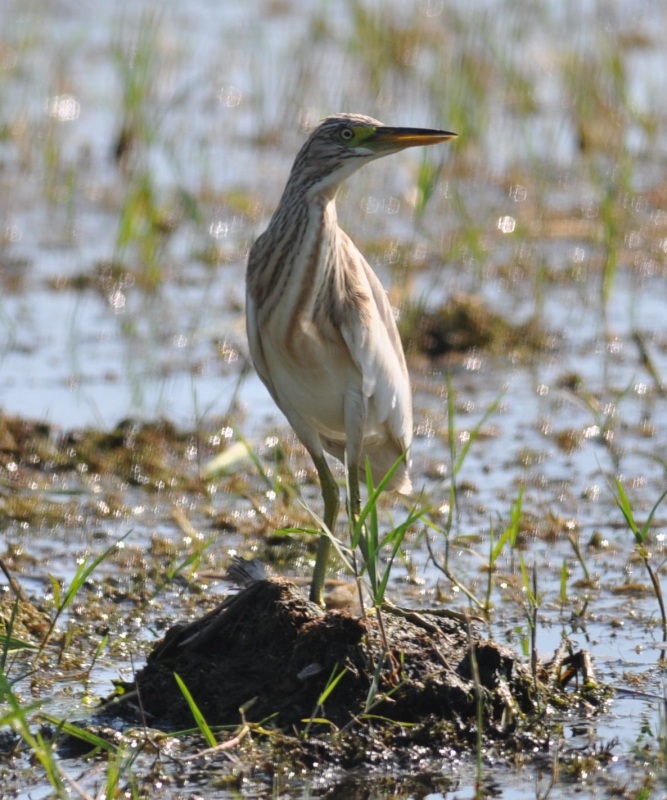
[{"x": 141, "y": 150}]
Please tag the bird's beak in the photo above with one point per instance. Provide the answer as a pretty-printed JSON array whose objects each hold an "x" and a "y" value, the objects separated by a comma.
[{"x": 386, "y": 139}]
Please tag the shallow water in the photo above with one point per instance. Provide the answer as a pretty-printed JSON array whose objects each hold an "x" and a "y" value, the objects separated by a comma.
[{"x": 510, "y": 222}]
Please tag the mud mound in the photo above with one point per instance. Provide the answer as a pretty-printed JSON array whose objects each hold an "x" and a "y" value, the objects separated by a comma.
[{"x": 269, "y": 652}]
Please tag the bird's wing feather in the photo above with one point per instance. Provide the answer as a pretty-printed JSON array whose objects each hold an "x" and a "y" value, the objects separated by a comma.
[
  {"x": 256, "y": 349},
  {"x": 306, "y": 433},
  {"x": 376, "y": 349}
]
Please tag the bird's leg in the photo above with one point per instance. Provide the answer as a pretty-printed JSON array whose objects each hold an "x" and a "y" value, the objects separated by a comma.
[
  {"x": 331, "y": 499},
  {"x": 353, "y": 511},
  {"x": 355, "y": 420},
  {"x": 354, "y": 499}
]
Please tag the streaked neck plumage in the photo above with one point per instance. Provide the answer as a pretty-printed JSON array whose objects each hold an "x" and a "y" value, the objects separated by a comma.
[{"x": 293, "y": 260}]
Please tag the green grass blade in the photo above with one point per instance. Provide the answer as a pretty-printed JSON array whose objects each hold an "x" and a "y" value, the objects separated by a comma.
[
  {"x": 396, "y": 538},
  {"x": 85, "y": 570},
  {"x": 527, "y": 582},
  {"x": 647, "y": 525},
  {"x": 377, "y": 491},
  {"x": 10, "y": 644},
  {"x": 563, "y": 582},
  {"x": 474, "y": 433},
  {"x": 206, "y": 732},
  {"x": 17, "y": 717},
  {"x": 333, "y": 681},
  {"x": 511, "y": 532},
  {"x": 80, "y": 733},
  {"x": 624, "y": 505},
  {"x": 190, "y": 560}
]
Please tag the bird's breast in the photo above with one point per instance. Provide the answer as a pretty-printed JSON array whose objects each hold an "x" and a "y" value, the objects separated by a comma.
[{"x": 312, "y": 374}]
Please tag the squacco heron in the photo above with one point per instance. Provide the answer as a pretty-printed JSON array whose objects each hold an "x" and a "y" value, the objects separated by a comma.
[{"x": 321, "y": 332}]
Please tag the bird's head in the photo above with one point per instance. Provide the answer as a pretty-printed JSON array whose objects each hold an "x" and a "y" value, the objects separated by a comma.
[{"x": 343, "y": 143}]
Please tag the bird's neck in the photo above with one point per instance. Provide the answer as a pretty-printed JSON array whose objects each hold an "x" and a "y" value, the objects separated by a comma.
[
  {"x": 312, "y": 254},
  {"x": 292, "y": 261}
]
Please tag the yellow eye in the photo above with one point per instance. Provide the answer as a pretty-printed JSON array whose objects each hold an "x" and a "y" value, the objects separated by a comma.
[{"x": 347, "y": 134}]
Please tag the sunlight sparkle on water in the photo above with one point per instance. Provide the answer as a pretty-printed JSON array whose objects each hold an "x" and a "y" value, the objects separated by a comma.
[
  {"x": 506, "y": 224},
  {"x": 63, "y": 107}
]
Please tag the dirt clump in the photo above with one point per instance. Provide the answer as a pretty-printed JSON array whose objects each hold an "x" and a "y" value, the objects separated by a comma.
[{"x": 267, "y": 653}]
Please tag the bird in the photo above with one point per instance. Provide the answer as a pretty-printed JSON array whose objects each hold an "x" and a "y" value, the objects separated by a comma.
[{"x": 321, "y": 332}]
